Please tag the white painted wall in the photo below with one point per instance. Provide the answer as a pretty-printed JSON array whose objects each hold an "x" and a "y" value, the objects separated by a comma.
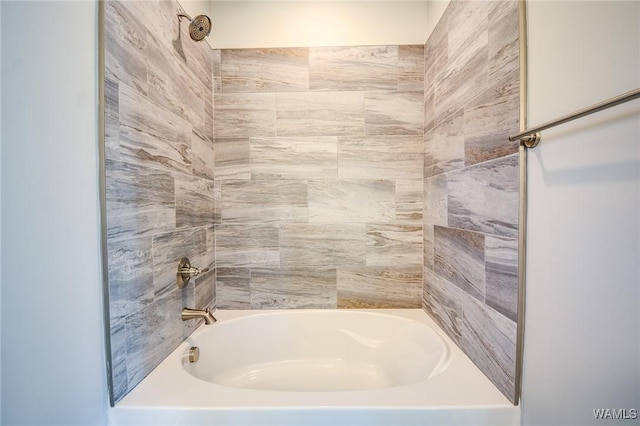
[
  {"x": 582, "y": 339},
  {"x": 435, "y": 9},
  {"x": 52, "y": 336},
  {"x": 246, "y": 24}
]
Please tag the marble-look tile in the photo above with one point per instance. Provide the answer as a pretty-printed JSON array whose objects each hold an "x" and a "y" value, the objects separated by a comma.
[
  {"x": 443, "y": 302},
  {"x": 394, "y": 113},
  {"x": 293, "y": 288},
  {"x": 205, "y": 290},
  {"x": 169, "y": 248},
  {"x": 411, "y": 68},
  {"x": 199, "y": 57},
  {"x": 351, "y": 201},
  {"x": 467, "y": 24},
  {"x": 154, "y": 332},
  {"x": 244, "y": 115},
  {"x": 247, "y": 245},
  {"x": 208, "y": 116},
  {"x": 380, "y": 287},
  {"x": 501, "y": 263},
  {"x": 264, "y": 201},
  {"x": 217, "y": 71},
  {"x": 202, "y": 157},
  {"x": 436, "y": 200},
  {"x": 152, "y": 136},
  {"x": 140, "y": 201},
  {"x": 436, "y": 51},
  {"x": 489, "y": 339},
  {"x": 409, "y": 201},
  {"x": 429, "y": 106},
  {"x": 195, "y": 203},
  {"x": 373, "y": 157},
  {"x": 265, "y": 70},
  {"x": 322, "y": 245},
  {"x": 217, "y": 201},
  {"x": 233, "y": 288},
  {"x": 394, "y": 245},
  {"x": 485, "y": 197},
  {"x": 353, "y": 68},
  {"x": 490, "y": 119},
  {"x": 232, "y": 159},
  {"x": 459, "y": 258},
  {"x": 118, "y": 358},
  {"x": 314, "y": 157},
  {"x": 320, "y": 113},
  {"x": 428, "y": 243},
  {"x": 444, "y": 146},
  {"x": 504, "y": 39},
  {"x": 125, "y": 45},
  {"x": 111, "y": 119},
  {"x": 130, "y": 275}
]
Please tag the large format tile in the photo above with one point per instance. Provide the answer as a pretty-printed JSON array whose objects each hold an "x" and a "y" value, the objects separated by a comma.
[
  {"x": 443, "y": 302},
  {"x": 394, "y": 245},
  {"x": 314, "y": 157},
  {"x": 459, "y": 258},
  {"x": 380, "y": 287},
  {"x": 247, "y": 245},
  {"x": 351, "y": 201},
  {"x": 353, "y": 68},
  {"x": 195, "y": 205},
  {"x": 205, "y": 290},
  {"x": 288, "y": 288},
  {"x": 504, "y": 39},
  {"x": 202, "y": 156},
  {"x": 501, "y": 263},
  {"x": 411, "y": 68},
  {"x": 232, "y": 159},
  {"x": 394, "y": 113},
  {"x": 320, "y": 113},
  {"x": 244, "y": 115},
  {"x": 436, "y": 200},
  {"x": 375, "y": 157},
  {"x": 322, "y": 245},
  {"x": 264, "y": 201},
  {"x": 485, "y": 197},
  {"x": 409, "y": 201},
  {"x": 233, "y": 288},
  {"x": 118, "y": 343},
  {"x": 444, "y": 146},
  {"x": 265, "y": 70},
  {"x": 111, "y": 119}
]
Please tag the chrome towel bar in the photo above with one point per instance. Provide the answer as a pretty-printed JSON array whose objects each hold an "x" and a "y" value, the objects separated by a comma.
[{"x": 531, "y": 136}]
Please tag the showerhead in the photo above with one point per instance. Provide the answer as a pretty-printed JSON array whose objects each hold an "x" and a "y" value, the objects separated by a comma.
[{"x": 199, "y": 28}]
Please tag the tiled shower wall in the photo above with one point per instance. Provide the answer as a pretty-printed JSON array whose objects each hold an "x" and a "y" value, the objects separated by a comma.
[
  {"x": 159, "y": 181},
  {"x": 319, "y": 162},
  {"x": 472, "y": 101}
]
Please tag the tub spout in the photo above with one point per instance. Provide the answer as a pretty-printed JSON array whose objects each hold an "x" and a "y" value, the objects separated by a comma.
[{"x": 206, "y": 315}]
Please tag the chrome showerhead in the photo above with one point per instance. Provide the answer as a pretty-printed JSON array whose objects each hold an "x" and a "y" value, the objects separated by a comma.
[{"x": 199, "y": 27}]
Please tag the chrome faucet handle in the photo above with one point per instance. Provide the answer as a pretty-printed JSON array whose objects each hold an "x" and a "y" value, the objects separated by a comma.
[{"x": 186, "y": 272}]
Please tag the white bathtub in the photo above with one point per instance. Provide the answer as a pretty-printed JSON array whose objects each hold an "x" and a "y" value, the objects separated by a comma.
[{"x": 317, "y": 367}]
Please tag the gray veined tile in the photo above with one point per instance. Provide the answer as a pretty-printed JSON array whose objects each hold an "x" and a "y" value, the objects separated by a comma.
[
  {"x": 484, "y": 197},
  {"x": 119, "y": 358},
  {"x": 504, "y": 39},
  {"x": 311, "y": 157},
  {"x": 125, "y": 45},
  {"x": 394, "y": 245},
  {"x": 351, "y": 201},
  {"x": 232, "y": 159},
  {"x": 247, "y": 246},
  {"x": 293, "y": 288},
  {"x": 217, "y": 71},
  {"x": 217, "y": 201},
  {"x": 202, "y": 157},
  {"x": 195, "y": 205},
  {"x": 436, "y": 51},
  {"x": 265, "y": 70},
  {"x": 459, "y": 258},
  {"x": 205, "y": 290},
  {"x": 322, "y": 245},
  {"x": 468, "y": 24},
  {"x": 208, "y": 117},
  {"x": 111, "y": 119},
  {"x": 409, "y": 201},
  {"x": 140, "y": 200},
  {"x": 429, "y": 106},
  {"x": 233, "y": 288},
  {"x": 443, "y": 302},
  {"x": 394, "y": 113},
  {"x": 320, "y": 114},
  {"x": 444, "y": 146},
  {"x": 490, "y": 119},
  {"x": 501, "y": 263},
  {"x": 436, "y": 200},
  {"x": 380, "y": 287},
  {"x": 373, "y": 157},
  {"x": 152, "y": 136},
  {"x": 169, "y": 248},
  {"x": 130, "y": 271},
  {"x": 353, "y": 68},
  {"x": 428, "y": 244},
  {"x": 243, "y": 115},
  {"x": 411, "y": 67},
  {"x": 489, "y": 339},
  {"x": 264, "y": 201}
]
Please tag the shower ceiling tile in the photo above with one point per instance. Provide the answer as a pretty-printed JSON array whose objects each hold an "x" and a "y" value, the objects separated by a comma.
[
  {"x": 353, "y": 68},
  {"x": 244, "y": 115},
  {"x": 293, "y": 288},
  {"x": 394, "y": 113},
  {"x": 380, "y": 287},
  {"x": 352, "y": 201},
  {"x": 265, "y": 70}
]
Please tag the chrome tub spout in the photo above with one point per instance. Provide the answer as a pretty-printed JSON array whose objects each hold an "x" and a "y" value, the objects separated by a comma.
[{"x": 206, "y": 315}]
